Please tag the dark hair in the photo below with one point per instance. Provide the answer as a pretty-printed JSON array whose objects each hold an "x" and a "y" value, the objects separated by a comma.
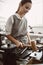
[{"x": 25, "y": 1}]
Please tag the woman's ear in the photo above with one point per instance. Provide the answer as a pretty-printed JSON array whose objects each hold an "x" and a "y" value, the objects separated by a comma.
[
  {"x": 20, "y": 4},
  {"x": 19, "y": 7}
]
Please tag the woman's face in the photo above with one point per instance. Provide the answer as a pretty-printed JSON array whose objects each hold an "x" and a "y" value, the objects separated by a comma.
[{"x": 25, "y": 8}]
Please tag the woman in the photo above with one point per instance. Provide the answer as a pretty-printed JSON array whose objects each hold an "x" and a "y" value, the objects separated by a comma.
[{"x": 16, "y": 27}]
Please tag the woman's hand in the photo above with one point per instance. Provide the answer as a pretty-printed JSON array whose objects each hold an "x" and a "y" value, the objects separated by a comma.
[{"x": 20, "y": 44}]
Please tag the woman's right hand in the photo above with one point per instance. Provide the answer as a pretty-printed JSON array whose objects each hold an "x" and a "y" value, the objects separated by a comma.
[{"x": 20, "y": 44}]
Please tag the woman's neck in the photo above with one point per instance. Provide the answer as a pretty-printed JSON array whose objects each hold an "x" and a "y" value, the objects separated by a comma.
[{"x": 21, "y": 15}]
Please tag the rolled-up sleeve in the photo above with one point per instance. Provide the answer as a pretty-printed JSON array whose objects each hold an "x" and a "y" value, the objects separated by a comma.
[{"x": 8, "y": 26}]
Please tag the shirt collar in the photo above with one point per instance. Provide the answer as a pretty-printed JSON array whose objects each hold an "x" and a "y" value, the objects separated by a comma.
[{"x": 18, "y": 16}]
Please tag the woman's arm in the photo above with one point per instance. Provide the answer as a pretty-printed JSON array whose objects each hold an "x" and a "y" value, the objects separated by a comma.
[
  {"x": 32, "y": 43},
  {"x": 29, "y": 39},
  {"x": 14, "y": 41},
  {"x": 8, "y": 29}
]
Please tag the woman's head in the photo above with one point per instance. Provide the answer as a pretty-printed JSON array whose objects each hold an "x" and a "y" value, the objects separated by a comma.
[{"x": 24, "y": 6}]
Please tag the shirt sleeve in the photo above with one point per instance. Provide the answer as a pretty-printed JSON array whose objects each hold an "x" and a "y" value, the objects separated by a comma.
[
  {"x": 8, "y": 26},
  {"x": 26, "y": 24}
]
